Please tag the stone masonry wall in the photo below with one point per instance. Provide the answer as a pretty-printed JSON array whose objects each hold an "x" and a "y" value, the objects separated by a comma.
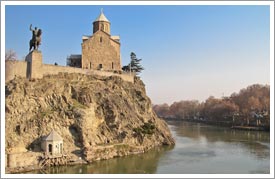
[
  {"x": 105, "y": 26},
  {"x": 19, "y": 68},
  {"x": 19, "y": 159},
  {"x": 117, "y": 49},
  {"x": 15, "y": 68},
  {"x": 100, "y": 49},
  {"x": 125, "y": 77},
  {"x": 54, "y": 69},
  {"x": 34, "y": 68}
]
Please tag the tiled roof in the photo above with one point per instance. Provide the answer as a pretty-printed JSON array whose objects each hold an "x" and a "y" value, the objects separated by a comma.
[
  {"x": 102, "y": 17},
  {"x": 54, "y": 136}
]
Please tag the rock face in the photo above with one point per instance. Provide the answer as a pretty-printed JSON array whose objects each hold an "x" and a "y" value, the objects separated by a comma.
[{"x": 91, "y": 113}]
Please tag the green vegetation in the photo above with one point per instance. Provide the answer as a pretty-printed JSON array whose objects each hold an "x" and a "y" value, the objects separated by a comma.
[
  {"x": 121, "y": 146},
  {"x": 134, "y": 65},
  {"x": 146, "y": 128},
  {"x": 45, "y": 113},
  {"x": 77, "y": 104}
]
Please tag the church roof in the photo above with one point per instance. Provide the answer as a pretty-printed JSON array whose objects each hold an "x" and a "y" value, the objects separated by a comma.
[
  {"x": 117, "y": 38},
  {"x": 101, "y": 17},
  {"x": 54, "y": 136}
]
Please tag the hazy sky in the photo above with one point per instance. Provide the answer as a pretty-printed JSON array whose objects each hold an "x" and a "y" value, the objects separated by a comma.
[{"x": 188, "y": 52}]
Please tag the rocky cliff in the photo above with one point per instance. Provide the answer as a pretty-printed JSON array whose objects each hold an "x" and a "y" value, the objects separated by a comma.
[{"x": 91, "y": 113}]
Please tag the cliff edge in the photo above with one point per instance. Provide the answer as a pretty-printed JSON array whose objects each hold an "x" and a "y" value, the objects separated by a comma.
[{"x": 97, "y": 117}]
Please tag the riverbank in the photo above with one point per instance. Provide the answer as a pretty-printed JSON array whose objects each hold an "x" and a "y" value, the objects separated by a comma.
[
  {"x": 223, "y": 124},
  {"x": 249, "y": 128},
  {"x": 36, "y": 166},
  {"x": 91, "y": 155},
  {"x": 30, "y": 168}
]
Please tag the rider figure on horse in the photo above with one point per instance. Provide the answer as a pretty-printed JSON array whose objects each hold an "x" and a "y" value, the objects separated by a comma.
[
  {"x": 34, "y": 32},
  {"x": 36, "y": 39}
]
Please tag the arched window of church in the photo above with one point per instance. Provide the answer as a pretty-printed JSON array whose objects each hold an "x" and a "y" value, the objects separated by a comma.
[
  {"x": 102, "y": 27},
  {"x": 100, "y": 39}
]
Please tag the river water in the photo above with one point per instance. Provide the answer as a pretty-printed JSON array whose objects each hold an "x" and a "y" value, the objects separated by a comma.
[{"x": 199, "y": 149}]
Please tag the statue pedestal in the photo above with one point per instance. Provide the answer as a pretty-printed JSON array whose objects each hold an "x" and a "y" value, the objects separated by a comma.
[{"x": 34, "y": 64}]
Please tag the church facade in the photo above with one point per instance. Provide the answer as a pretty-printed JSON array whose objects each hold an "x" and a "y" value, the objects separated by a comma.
[{"x": 101, "y": 50}]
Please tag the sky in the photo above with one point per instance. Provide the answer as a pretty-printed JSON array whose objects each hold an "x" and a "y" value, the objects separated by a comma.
[{"x": 188, "y": 51}]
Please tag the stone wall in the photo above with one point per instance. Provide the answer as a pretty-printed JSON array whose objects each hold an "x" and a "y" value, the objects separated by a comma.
[
  {"x": 33, "y": 68},
  {"x": 15, "y": 68},
  {"x": 54, "y": 69},
  {"x": 101, "y": 25},
  {"x": 101, "y": 49},
  {"x": 117, "y": 50},
  {"x": 125, "y": 77},
  {"x": 23, "y": 159}
]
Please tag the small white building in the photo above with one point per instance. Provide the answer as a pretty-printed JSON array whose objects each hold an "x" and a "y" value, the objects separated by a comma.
[{"x": 53, "y": 144}]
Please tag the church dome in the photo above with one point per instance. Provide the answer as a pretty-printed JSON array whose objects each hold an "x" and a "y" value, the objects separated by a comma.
[{"x": 101, "y": 17}]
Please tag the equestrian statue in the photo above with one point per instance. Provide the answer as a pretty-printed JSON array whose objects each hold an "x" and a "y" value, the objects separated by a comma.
[{"x": 36, "y": 38}]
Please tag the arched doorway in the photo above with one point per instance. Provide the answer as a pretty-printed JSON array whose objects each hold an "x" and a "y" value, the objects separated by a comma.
[
  {"x": 50, "y": 148},
  {"x": 100, "y": 66}
]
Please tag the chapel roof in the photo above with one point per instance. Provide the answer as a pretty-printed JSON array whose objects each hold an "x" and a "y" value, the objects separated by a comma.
[
  {"x": 101, "y": 17},
  {"x": 53, "y": 136}
]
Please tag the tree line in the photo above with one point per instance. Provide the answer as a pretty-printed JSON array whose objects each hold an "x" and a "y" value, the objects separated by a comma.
[{"x": 249, "y": 107}]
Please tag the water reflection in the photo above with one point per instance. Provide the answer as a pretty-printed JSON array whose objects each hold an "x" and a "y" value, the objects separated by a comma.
[
  {"x": 255, "y": 142},
  {"x": 213, "y": 133},
  {"x": 199, "y": 149},
  {"x": 141, "y": 163}
]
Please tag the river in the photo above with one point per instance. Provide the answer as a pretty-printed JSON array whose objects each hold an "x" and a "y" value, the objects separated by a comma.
[{"x": 199, "y": 148}]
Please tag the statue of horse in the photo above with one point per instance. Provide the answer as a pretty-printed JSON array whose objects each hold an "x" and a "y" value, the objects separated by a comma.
[{"x": 35, "y": 42}]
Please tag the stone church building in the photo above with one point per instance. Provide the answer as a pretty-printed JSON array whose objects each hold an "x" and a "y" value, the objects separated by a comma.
[{"x": 101, "y": 50}]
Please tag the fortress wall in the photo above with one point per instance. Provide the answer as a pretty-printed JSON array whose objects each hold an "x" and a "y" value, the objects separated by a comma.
[
  {"x": 19, "y": 159},
  {"x": 125, "y": 77},
  {"x": 15, "y": 68},
  {"x": 54, "y": 69},
  {"x": 19, "y": 68}
]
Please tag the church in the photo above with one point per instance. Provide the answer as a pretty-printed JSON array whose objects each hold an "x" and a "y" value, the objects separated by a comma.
[{"x": 101, "y": 50}]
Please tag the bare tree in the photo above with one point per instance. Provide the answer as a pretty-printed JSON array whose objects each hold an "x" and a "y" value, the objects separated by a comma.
[{"x": 10, "y": 55}]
